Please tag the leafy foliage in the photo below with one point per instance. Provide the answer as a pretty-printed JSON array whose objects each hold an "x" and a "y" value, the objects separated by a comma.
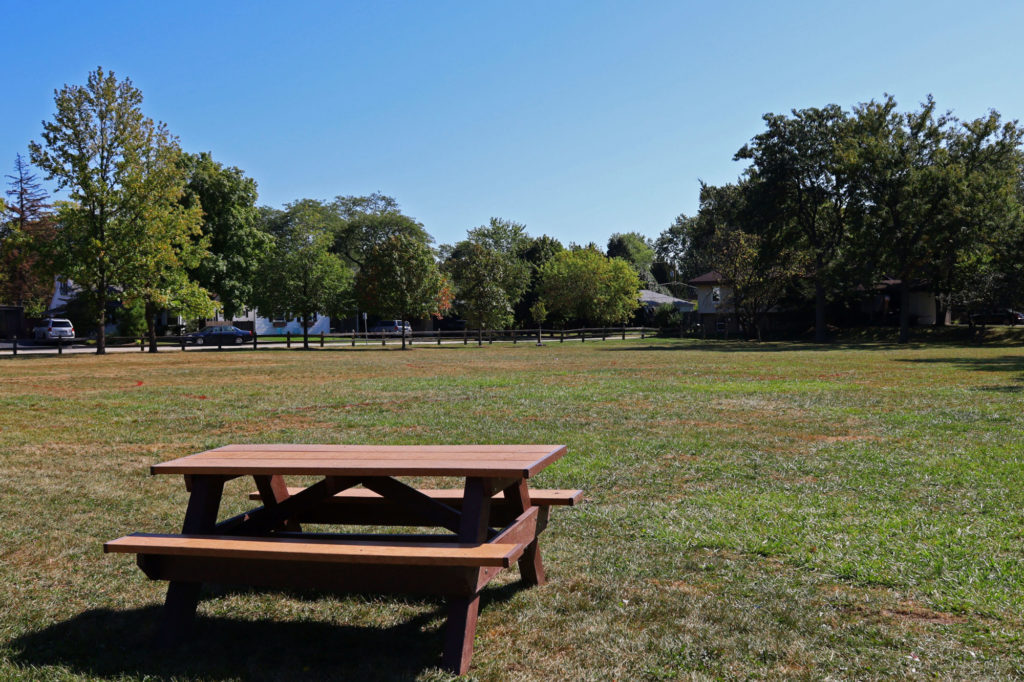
[
  {"x": 301, "y": 276},
  {"x": 583, "y": 284},
  {"x": 400, "y": 279},
  {"x": 123, "y": 228},
  {"x": 230, "y": 225},
  {"x": 26, "y": 232}
]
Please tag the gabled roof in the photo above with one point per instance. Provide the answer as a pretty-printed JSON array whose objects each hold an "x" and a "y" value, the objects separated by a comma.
[{"x": 712, "y": 277}]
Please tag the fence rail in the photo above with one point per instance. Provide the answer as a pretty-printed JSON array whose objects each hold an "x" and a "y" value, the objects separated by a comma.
[{"x": 478, "y": 337}]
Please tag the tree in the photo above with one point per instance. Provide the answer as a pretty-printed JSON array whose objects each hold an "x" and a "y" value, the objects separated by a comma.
[
  {"x": 301, "y": 276},
  {"x": 100, "y": 147},
  {"x": 400, "y": 279},
  {"x": 487, "y": 284},
  {"x": 807, "y": 188},
  {"x": 504, "y": 236},
  {"x": 230, "y": 225},
  {"x": 635, "y": 249},
  {"x": 26, "y": 231},
  {"x": 584, "y": 284},
  {"x": 909, "y": 178},
  {"x": 758, "y": 276},
  {"x": 366, "y": 222}
]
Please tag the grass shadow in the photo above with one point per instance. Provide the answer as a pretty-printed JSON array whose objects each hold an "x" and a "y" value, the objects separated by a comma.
[{"x": 119, "y": 643}]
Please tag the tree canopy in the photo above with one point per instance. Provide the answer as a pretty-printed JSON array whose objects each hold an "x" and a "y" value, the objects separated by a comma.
[{"x": 120, "y": 171}]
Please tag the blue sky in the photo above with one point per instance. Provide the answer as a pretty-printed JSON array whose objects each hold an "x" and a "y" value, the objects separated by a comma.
[{"x": 579, "y": 119}]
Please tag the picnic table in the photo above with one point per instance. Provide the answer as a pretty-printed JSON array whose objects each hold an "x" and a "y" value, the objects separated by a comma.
[{"x": 492, "y": 520}]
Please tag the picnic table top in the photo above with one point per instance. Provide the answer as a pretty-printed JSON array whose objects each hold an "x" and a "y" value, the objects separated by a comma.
[{"x": 492, "y": 461}]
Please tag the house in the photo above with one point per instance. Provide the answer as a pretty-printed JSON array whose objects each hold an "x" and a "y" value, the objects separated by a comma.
[
  {"x": 65, "y": 290},
  {"x": 714, "y": 302}
]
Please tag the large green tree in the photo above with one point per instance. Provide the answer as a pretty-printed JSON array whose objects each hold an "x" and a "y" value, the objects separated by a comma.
[
  {"x": 585, "y": 285},
  {"x": 231, "y": 227},
  {"x": 365, "y": 222},
  {"x": 637, "y": 250},
  {"x": 806, "y": 189},
  {"x": 400, "y": 279},
  {"x": 104, "y": 152},
  {"x": 301, "y": 276},
  {"x": 488, "y": 284}
]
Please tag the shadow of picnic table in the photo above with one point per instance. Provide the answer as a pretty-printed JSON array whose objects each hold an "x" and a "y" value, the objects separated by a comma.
[{"x": 117, "y": 643}]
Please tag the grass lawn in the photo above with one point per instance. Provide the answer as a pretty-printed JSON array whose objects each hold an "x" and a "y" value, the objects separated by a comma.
[{"x": 769, "y": 511}]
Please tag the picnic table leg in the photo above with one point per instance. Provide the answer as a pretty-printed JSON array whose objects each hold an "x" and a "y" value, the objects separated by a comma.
[
  {"x": 273, "y": 491},
  {"x": 463, "y": 611},
  {"x": 183, "y": 597},
  {"x": 530, "y": 565}
]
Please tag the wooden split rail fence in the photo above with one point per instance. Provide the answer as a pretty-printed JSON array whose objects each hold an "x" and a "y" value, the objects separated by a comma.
[{"x": 350, "y": 339}]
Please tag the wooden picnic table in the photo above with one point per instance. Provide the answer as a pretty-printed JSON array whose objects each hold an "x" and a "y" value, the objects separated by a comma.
[{"x": 493, "y": 519}]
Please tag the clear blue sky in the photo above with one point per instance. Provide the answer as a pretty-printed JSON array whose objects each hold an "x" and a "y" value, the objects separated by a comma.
[{"x": 579, "y": 119}]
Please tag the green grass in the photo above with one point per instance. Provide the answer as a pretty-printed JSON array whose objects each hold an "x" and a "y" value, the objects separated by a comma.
[{"x": 767, "y": 511}]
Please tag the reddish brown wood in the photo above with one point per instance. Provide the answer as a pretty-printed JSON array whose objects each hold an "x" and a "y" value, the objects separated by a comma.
[
  {"x": 273, "y": 491},
  {"x": 498, "y": 461},
  {"x": 429, "y": 510},
  {"x": 531, "y": 567},
  {"x": 476, "y": 507},
  {"x": 453, "y": 496},
  {"x": 444, "y": 581},
  {"x": 459, "y": 633},
  {"x": 183, "y": 596},
  {"x": 264, "y": 519},
  {"x": 409, "y": 552}
]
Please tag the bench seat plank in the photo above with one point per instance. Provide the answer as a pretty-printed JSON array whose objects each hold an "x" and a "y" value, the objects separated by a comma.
[
  {"x": 300, "y": 549},
  {"x": 541, "y": 497}
]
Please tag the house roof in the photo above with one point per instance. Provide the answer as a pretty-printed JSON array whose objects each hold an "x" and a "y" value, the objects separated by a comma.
[
  {"x": 655, "y": 299},
  {"x": 712, "y": 277}
]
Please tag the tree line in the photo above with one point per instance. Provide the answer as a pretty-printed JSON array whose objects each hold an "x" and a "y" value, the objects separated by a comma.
[
  {"x": 836, "y": 200},
  {"x": 147, "y": 227}
]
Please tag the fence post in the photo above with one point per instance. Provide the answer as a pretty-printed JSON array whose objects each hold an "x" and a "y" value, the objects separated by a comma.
[
  {"x": 411, "y": 337},
  {"x": 439, "y": 337},
  {"x": 181, "y": 341},
  {"x": 142, "y": 343},
  {"x": 353, "y": 338},
  {"x": 465, "y": 336},
  {"x": 321, "y": 339},
  {"x": 479, "y": 337},
  {"x": 562, "y": 338},
  {"x": 60, "y": 346},
  {"x": 583, "y": 335},
  {"x": 643, "y": 333},
  {"x": 14, "y": 346},
  {"x": 623, "y": 332},
  {"x": 604, "y": 333},
  {"x": 254, "y": 338},
  {"x": 490, "y": 336},
  {"x": 288, "y": 339},
  {"x": 220, "y": 342},
  {"x": 383, "y": 339}
]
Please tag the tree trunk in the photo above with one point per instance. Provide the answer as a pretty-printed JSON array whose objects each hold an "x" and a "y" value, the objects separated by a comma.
[
  {"x": 101, "y": 333},
  {"x": 305, "y": 331},
  {"x": 904, "y": 310},
  {"x": 820, "y": 331},
  {"x": 402, "y": 332},
  {"x": 941, "y": 309},
  {"x": 151, "y": 325}
]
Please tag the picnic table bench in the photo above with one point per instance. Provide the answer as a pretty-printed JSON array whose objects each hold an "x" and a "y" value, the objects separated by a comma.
[{"x": 493, "y": 520}]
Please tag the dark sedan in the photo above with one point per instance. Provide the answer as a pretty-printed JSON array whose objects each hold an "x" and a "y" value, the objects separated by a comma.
[
  {"x": 1004, "y": 316},
  {"x": 224, "y": 335}
]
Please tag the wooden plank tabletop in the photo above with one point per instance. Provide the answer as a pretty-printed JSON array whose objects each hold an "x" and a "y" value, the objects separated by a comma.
[{"x": 496, "y": 461}]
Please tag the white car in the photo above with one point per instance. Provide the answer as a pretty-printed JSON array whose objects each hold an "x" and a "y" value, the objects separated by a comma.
[{"x": 54, "y": 328}]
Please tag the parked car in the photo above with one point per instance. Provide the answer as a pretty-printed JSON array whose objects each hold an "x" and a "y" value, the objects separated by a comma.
[
  {"x": 1003, "y": 316},
  {"x": 392, "y": 328},
  {"x": 224, "y": 334},
  {"x": 53, "y": 328}
]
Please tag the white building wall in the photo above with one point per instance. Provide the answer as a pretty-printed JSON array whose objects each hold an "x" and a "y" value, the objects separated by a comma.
[{"x": 922, "y": 307}]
